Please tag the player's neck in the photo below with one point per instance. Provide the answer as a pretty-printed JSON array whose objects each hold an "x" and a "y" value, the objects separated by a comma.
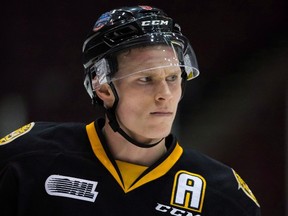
[{"x": 123, "y": 150}]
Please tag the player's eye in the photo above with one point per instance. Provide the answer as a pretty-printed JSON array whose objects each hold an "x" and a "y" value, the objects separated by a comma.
[
  {"x": 145, "y": 79},
  {"x": 172, "y": 78}
]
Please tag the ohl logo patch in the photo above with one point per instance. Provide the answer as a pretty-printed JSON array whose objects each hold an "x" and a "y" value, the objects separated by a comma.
[
  {"x": 17, "y": 133},
  {"x": 242, "y": 185},
  {"x": 70, "y": 187}
]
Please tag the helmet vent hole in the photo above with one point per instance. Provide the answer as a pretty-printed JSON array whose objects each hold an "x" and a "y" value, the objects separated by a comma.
[{"x": 121, "y": 33}]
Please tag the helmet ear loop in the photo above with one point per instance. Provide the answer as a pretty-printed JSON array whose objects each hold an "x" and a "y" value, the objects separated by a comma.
[
  {"x": 96, "y": 100},
  {"x": 113, "y": 65},
  {"x": 111, "y": 111},
  {"x": 183, "y": 82}
]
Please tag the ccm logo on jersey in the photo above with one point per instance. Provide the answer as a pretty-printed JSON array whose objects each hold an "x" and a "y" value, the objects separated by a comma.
[
  {"x": 154, "y": 22},
  {"x": 75, "y": 188},
  {"x": 174, "y": 211}
]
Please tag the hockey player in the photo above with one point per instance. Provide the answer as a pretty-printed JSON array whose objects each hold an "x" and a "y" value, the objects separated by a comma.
[{"x": 136, "y": 64}]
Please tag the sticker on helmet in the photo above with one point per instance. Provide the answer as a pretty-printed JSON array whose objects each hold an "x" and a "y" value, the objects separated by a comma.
[
  {"x": 17, "y": 133},
  {"x": 102, "y": 21},
  {"x": 146, "y": 7},
  {"x": 242, "y": 185}
]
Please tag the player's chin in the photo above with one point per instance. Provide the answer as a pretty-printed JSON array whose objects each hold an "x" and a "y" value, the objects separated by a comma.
[{"x": 160, "y": 131}]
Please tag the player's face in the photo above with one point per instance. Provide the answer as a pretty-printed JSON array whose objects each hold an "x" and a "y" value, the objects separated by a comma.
[{"x": 148, "y": 99}]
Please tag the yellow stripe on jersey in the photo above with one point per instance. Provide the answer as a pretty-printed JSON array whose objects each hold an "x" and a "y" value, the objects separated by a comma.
[
  {"x": 100, "y": 152},
  {"x": 161, "y": 169}
]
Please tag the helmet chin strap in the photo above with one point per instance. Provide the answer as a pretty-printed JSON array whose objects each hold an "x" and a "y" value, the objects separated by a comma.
[{"x": 116, "y": 127}]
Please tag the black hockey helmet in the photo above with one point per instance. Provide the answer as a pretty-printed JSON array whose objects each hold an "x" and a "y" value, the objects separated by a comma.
[{"x": 128, "y": 27}]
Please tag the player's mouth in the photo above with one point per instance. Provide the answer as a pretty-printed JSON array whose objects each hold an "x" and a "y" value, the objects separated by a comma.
[{"x": 162, "y": 113}]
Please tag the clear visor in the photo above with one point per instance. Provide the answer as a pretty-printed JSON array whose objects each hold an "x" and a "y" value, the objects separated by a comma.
[{"x": 154, "y": 56}]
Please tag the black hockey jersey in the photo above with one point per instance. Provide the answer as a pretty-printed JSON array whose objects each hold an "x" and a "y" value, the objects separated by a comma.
[{"x": 67, "y": 169}]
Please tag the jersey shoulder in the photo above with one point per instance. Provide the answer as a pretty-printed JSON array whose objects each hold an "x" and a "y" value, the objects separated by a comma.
[
  {"x": 221, "y": 180},
  {"x": 41, "y": 136},
  {"x": 203, "y": 163}
]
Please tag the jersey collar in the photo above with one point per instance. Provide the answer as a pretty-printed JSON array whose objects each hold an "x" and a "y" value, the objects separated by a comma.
[{"x": 158, "y": 169}]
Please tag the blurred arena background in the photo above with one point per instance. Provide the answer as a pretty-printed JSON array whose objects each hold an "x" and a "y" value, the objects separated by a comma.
[{"x": 235, "y": 111}]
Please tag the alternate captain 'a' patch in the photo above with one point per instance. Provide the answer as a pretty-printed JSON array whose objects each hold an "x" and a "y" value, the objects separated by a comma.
[
  {"x": 17, "y": 133},
  {"x": 188, "y": 191},
  {"x": 242, "y": 185}
]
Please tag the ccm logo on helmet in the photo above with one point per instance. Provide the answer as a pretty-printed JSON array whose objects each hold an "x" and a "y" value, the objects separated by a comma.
[{"x": 154, "y": 22}]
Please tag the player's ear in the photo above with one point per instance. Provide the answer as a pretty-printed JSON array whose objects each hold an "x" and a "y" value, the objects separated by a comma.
[{"x": 105, "y": 93}]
